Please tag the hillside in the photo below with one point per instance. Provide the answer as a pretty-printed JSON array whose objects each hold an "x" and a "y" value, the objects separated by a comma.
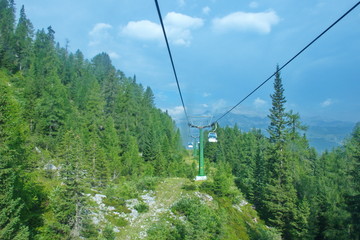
[
  {"x": 86, "y": 154},
  {"x": 172, "y": 211}
]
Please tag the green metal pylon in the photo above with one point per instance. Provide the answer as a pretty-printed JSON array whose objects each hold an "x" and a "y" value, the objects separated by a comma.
[
  {"x": 201, "y": 174},
  {"x": 201, "y": 153}
]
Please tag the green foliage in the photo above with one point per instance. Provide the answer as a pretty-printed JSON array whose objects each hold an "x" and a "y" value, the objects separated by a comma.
[
  {"x": 116, "y": 220},
  {"x": 223, "y": 180},
  {"x": 12, "y": 152},
  {"x": 203, "y": 222},
  {"x": 147, "y": 183},
  {"x": 353, "y": 198},
  {"x": 24, "y": 34},
  {"x": 163, "y": 230},
  {"x": 7, "y": 25},
  {"x": 278, "y": 120},
  {"x": 102, "y": 130},
  {"x": 108, "y": 233},
  {"x": 190, "y": 187},
  {"x": 141, "y": 207}
]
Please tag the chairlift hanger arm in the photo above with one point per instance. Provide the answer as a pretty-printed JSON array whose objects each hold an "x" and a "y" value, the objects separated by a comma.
[{"x": 195, "y": 126}]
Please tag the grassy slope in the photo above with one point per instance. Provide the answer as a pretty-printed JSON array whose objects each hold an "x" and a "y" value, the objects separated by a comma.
[
  {"x": 167, "y": 193},
  {"x": 240, "y": 221}
]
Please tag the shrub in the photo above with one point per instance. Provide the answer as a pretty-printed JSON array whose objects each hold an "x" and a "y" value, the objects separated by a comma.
[
  {"x": 203, "y": 221},
  {"x": 189, "y": 187},
  {"x": 116, "y": 220},
  {"x": 147, "y": 183},
  {"x": 142, "y": 207}
]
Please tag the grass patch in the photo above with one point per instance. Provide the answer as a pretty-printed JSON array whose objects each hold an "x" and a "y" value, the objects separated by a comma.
[
  {"x": 142, "y": 207},
  {"x": 118, "y": 203},
  {"x": 116, "y": 220}
]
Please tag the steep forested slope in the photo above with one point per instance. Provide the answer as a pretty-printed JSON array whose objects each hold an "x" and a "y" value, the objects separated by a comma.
[
  {"x": 69, "y": 124},
  {"x": 301, "y": 193}
]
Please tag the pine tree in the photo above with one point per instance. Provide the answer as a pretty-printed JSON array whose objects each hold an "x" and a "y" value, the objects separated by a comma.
[
  {"x": 353, "y": 202},
  {"x": 11, "y": 144},
  {"x": 278, "y": 121},
  {"x": 24, "y": 34},
  {"x": 111, "y": 142},
  {"x": 108, "y": 79},
  {"x": 131, "y": 159},
  {"x": 7, "y": 25},
  {"x": 280, "y": 197},
  {"x": 260, "y": 172},
  {"x": 67, "y": 201}
]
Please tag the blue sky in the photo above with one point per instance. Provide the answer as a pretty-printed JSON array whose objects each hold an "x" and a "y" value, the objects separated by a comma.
[{"x": 222, "y": 50}]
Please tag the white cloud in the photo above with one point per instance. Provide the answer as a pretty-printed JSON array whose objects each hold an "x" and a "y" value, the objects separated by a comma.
[
  {"x": 260, "y": 22},
  {"x": 178, "y": 28},
  {"x": 144, "y": 30},
  {"x": 254, "y": 4},
  {"x": 114, "y": 55},
  {"x": 179, "y": 20},
  {"x": 99, "y": 33},
  {"x": 176, "y": 112},
  {"x": 258, "y": 103},
  {"x": 98, "y": 28},
  {"x": 206, "y": 10},
  {"x": 327, "y": 102}
]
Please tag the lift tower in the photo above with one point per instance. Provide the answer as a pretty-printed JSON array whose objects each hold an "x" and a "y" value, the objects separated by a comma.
[{"x": 201, "y": 174}]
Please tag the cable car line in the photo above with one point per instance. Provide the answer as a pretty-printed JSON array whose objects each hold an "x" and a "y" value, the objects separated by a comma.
[
  {"x": 283, "y": 66},
  {"x": 171, "y": 59}
]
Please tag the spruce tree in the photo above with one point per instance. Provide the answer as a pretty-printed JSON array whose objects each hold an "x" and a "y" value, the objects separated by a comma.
[
  {"x": 278, "y": 120},
  {"x": 24, "y": 34},
  {"x": 11, "y": 144},
  {"x": 7, "y": 25},
  {"x": 353, "y": 202},
  {"x": 67, "y": 201},
  {"x": 280, "y": 194}
]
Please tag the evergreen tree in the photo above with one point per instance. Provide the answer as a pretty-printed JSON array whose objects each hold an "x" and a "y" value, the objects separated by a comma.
[
  {"x": 329, "y": 203},
  {"x": 278, "y": 118},
  {"x": 108, "y": 79},
  {"x": 353, "y": 199},
  {"x": 223, "y": 180},
  {"x": 260, "y": 173},
  {"x": 280, "y": 195},
  {"x": 11, "y": 142},
  {"x": 131, "y": 160},
  {"x": 67, "y": 201},
  {"x": 24, "y": 34},
  {"x": 110, "y": 141},
  {"x": 7, "y": 25}
]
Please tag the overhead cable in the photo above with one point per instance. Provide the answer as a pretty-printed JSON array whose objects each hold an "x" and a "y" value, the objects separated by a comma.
[
  {"x": 283, "y": 66},
  {"x": 171, "y": 59}
]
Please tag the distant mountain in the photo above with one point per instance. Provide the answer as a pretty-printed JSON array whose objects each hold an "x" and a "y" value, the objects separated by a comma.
[
  {"x": 322, "y": 135},
  {"x": 328, "y": 134}
]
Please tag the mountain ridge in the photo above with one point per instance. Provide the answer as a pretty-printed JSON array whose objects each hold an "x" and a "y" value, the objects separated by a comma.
[{"x": 322, "y": 134}]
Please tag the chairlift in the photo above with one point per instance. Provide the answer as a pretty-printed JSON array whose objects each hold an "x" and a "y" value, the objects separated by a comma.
[
  {"x": 212, "y": 137},
  {"x": 190, "y": 145}
]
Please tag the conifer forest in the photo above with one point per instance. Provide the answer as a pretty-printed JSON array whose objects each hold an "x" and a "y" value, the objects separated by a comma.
[{"x": 86, "y": 154}]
